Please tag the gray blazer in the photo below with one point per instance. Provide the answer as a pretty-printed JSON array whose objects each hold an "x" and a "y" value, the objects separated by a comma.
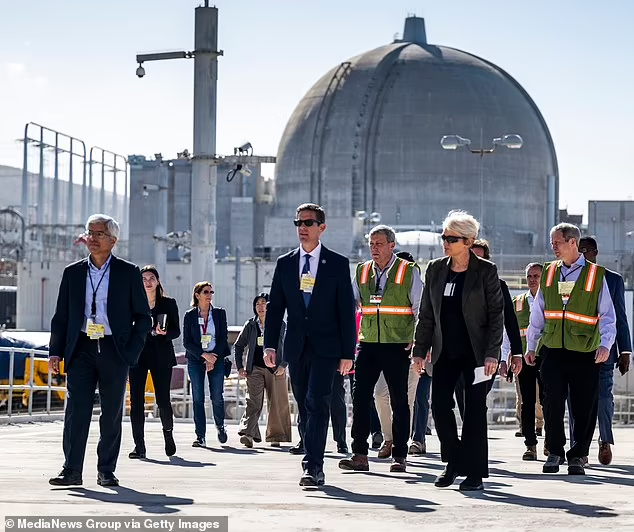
[
  {"x": 248, "y": 338},
  {"x": 482, "y": 306}
]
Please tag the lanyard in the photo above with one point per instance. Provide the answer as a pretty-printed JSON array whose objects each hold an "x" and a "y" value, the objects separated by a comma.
[
  {"x": 379, "y": 276},
  {"x": 571, "y": 271},
  {"x": 93, "y": 306},
  {"x": 205, "y": 321}
]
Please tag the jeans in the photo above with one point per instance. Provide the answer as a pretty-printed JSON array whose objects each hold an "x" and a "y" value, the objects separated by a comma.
[
  {"x": 216, "y": 377},
  {"x": 421, "y": 407}
]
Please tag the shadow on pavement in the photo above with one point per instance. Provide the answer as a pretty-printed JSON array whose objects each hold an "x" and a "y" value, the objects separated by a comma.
[{"x": 151, "y": 503}]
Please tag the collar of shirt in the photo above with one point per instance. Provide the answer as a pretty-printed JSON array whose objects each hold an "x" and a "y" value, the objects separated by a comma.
[
  {"x": 387, "y": 268},
  {"x": 581, "y": 261},
  {"x": 94, "y": 268},
  {"x": 315, "y": 253}
]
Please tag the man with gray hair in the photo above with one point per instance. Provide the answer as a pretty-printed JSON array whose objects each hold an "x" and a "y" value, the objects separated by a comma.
[
  {"x": 388, "y": 291},
  {"x": 572, "y": 318},
  {"x": 99, "y": 328}
]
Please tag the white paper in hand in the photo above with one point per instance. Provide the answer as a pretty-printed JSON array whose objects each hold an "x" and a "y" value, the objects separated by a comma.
[{"x": 479, "y": 375}]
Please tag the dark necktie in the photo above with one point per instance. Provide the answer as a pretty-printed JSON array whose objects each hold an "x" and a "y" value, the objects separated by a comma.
[{"x": 306, "y": 270}]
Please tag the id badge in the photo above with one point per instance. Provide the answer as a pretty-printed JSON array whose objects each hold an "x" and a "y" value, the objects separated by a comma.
[
  {"x": 376, "y": 300},
  {"x": 449, "y": 288},
  {"x": 201, "y": 321},
  {"x": 205, "y": 340},
  {"x": 307, "y": 283},
  {"x": 95, "y": 331},
  {"x": 565, "y": 287},
  {"x": 260, "y": 341}
]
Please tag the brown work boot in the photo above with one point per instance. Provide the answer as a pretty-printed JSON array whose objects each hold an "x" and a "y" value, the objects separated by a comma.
[
  {"x": 386, "y": 449},
  {"x": 530, "y": 453},
  {"x": 399, "y": 465},
  {"x": 357, "y": 462},
  {"x": 605, "y": 453}
]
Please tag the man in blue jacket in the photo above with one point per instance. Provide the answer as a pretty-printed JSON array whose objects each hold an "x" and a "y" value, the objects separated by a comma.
[{"x": 619, "y": 354}]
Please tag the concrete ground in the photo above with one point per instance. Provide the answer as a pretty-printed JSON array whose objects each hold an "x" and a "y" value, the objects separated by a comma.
[{"x": 258, "y": 488}]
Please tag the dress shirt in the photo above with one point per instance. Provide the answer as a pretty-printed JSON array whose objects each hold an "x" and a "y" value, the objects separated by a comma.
[
  {"x": 415, "y": 293},
  {"x": 211, "y": 330},
  {"x": 506, "y": 344},
  {"x": 314, "y": 260},
  {"x": 607, "y": 316},
  {"x": 96, "y": 274}
]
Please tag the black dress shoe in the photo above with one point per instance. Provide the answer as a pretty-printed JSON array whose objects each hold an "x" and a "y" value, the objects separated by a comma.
[
  {"x": 297, "y": 449},
  {"x": 312, "y": 479},
  {"x": 107, "y": 479},
  {"x": 342, "y": 449},
  {"x": 137, "y": 454},
  {"x": 471, "y": 484},
  {"x": 199, "y": 442},
  {"x": 170, "y": 444},
  {"x": 447, "y": 477},
  {"x": 66, "y": 478},
  {"x": 222, "y": 435},
  {"x": 377, "y": 440}
]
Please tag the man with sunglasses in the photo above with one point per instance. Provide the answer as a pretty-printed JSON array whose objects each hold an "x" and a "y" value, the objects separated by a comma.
[{"x": 312, "y": 285}]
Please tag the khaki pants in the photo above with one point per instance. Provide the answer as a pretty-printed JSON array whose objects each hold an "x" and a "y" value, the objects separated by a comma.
[
  {"x": 539, "y": 412},
  {"x": 382, "y": 399},
  {"x": 278, "y": 427}
]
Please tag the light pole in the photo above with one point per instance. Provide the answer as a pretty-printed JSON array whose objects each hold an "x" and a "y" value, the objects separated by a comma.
[
  {"x": 453, "y": 142},
  {"x": 204, "y": 176},
  {"x": 367, "y": 219}
]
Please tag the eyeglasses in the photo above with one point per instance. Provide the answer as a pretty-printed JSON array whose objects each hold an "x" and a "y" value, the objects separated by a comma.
[
  {"x": 450, "y": 239},
  {"x": 307, "y": 223},
  {"x": 96, "y": 234},
  {"x": 207, "y": 292}
]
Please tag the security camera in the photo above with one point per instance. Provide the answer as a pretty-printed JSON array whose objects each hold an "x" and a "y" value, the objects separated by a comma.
[
  {"x": 140, "y": 71},
  {"x": 243, "y": 149},
  {"x": 146, "y": 191}
]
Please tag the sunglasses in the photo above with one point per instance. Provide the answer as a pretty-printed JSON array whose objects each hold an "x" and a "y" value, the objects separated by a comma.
[
  {"x": 207, "y": 292},
  {"x": 307, "y": 223},
  {"x": 452, "y": 239}
]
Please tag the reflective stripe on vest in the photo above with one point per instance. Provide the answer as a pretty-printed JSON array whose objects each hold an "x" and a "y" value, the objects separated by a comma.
[
  {"x": 592, "y": 276},
  {"x": 365, "y": 273},
  {"x": 572, "y": 316},
  {"x": 400, "y": 273},
  {"x": 387, "y": 310},
  {"x": 551, "y": 273}
]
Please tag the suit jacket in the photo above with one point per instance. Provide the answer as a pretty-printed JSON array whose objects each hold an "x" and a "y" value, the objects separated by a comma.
[
  {"x": 191, "y": 334},
  {"x": 510, "y": 321},
  {"x": 127, "y": 306},
  {"x": 623, "y": 338},
  {"x": 160, "y": 347},
  {"x": 248, "y": 338},
  {"x": 482, "y": 307},
  {"x": 327, "y": 325}
]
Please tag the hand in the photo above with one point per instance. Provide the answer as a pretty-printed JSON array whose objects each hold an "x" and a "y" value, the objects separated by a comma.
[
  {"x": 269, "y": 357},
  {"x": 210, "y": 360},
  {"x": 280, "y": 371},
  {"x": 419, "y": 364},
  {"x": 504, "y": 369},
  {"x": 624, "y": 363},
  {"x": 490, "y": 366},
  {"x": 428, "y": 358},
  {"x": 409, "y": 346},
  {"x": 516, "y": 365},
  {"x": 530, "y": 357},
  {"x": 242, "y": 372},
  {"x": 160, "y": 331},
  {"x": 602, "y": 355},
  {"x": 208, "y": 366},
  {"x": 53, "y": 365},
  {"x": 345, "y": 365}
]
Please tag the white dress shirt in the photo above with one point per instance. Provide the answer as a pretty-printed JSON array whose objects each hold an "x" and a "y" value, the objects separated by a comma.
[
  {"x": 506, "y": 343},
  {"x": 314, "y": 260},
  {"x": 101, "y": 287}
]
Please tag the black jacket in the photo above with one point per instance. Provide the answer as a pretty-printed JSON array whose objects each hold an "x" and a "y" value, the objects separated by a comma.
[
  {"x": 191, "y": 334},
  {"x": 160, "y": 348},
  {"x": 128, "y": 310},
  {"x": 482, "y": 307},
  {"x": 248, "y": 338}
]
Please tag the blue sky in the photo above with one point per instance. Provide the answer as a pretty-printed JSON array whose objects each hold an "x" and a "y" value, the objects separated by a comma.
[{"x": 69, "y": 64}]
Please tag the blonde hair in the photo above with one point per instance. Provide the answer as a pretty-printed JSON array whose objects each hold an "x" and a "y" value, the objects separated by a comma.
[{"x": 463, "y": 223}]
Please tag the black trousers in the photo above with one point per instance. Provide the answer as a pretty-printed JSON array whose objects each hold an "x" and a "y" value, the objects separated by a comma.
[
  {"x": 338, "y": 410},
  {"x": 529, "y": 380},
  {"x": 311, "y": 380},
  {"x": 88, "y": 369},
  {"x": 375, "y": 422},
  {"x": 468, "y": 454},
  {"x": 162, "y": 379},
  {"x": 576, "y": 373},
  {"x": 393, "y": 360}
]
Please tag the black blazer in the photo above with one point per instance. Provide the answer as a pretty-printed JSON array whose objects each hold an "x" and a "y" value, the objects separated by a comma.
[
  {"x": 623, "y": 341},
  {"x": 128, "y": 310},
  {"x": 191, "y": 334},
  {"x": 247, "y": 340},
  {"x": 160, "y": 347},
  {"x": 482, "y": 307},
  {"x": 510, "y": 321},
  {"x": 328, "y": 324}
]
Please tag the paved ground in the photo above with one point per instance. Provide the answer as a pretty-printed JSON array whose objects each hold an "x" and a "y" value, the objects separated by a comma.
[{"x": 258, "y": 488}]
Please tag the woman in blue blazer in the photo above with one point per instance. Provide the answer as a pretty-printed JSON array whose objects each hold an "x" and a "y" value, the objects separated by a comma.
[{"x": 205, "y": 338}]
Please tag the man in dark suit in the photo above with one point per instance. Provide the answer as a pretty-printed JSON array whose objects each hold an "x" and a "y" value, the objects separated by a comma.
[
  {"x": 99, "y": 328},
  {"x": 619, "y": 354},
  {"x": 312, "y": 284}
]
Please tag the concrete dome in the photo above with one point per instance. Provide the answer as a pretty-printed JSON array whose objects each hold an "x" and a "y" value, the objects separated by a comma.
[{"x": 366, "y": 137}]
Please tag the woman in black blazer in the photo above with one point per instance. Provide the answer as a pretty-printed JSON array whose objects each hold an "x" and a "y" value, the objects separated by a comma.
[
  {"x": 461, "y": 322},
  {"x": 206, "y": 341},
  {"x": 157, "y": 357}
]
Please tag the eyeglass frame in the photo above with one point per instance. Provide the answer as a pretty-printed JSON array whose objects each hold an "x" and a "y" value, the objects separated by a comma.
[
  {"x": 308, "y": 223},
  {"x": 446, "y": 238}
]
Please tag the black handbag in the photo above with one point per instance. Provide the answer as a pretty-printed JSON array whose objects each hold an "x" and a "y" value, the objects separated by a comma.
[{"x": 228, "y": 366}]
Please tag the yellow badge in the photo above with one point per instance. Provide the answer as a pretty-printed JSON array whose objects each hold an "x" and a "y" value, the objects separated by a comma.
[
  {"x": 95, "y": 331},
  {"x": 307, "y": 283},
  {"x": 565, "y": 287},
  {"x": 205, "y": 340},
  {"x": 260, "y": 341}
]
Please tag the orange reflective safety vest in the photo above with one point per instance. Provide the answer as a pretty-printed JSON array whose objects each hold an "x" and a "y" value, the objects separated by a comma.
[
  {"x": 387, "y": 318},
  {"x": 522, "y": 309},
  {"x": 574, "y": 325}
]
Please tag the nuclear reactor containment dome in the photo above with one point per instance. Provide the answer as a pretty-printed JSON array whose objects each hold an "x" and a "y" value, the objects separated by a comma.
[{"x": 367, "y": 135}]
